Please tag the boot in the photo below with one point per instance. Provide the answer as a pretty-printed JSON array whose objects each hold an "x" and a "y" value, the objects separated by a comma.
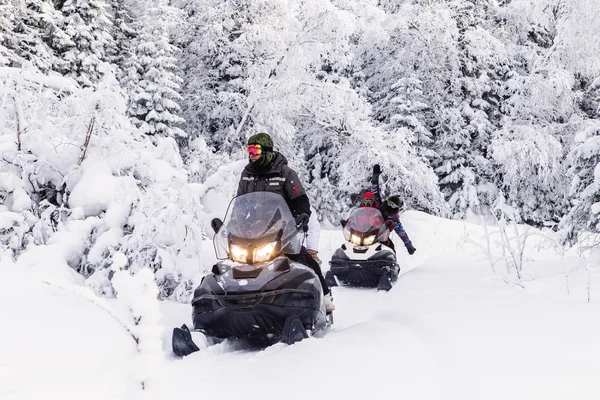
[{"x": 329, "y": 306}]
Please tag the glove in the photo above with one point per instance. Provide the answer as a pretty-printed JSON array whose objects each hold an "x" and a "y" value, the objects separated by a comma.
[
  {"x": 389, "y": 224},
  {"x": 411, "y": 249},
  {"x": 302, "y": 221},
  {"x": 376, "y": 173},
  {"x": 376, "y": 169}
]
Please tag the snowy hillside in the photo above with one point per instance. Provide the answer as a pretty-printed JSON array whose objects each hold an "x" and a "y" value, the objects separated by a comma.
[{"x": 449, "y": 329}]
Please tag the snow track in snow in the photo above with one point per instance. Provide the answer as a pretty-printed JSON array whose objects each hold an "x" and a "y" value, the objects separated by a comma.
[
  {"x": 449, "y": 329},
  {"x": 363, "y": 355}
]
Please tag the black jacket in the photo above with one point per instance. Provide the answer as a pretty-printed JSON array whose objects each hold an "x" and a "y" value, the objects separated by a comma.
[{"x": 277, "y": 177}]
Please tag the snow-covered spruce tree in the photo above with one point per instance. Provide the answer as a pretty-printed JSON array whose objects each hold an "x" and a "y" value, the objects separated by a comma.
[
  {"x": 556, "y": 62},
  {"x": 88, "y": 27},
  {"x": 407, "y": 115},
  {"x": 529, "y": 172},
  {"x": 215, "y": 59},
  {"x": 124, "y": 35},
  {"x": 151, "y": 77},
  {"x": 213, "y": 97},
  {"x": 584, "y": 192},
  {"x": 473, "y": 111},
  {"x": 26, "y": 29},
  {"x": 396, "y": 88}
]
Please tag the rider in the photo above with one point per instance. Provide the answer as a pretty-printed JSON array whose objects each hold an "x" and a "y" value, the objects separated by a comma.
[
  {"x": 267, "y": 170},
  {"x": 368, "y": 200},
  {"x": 390, "y": 209}
]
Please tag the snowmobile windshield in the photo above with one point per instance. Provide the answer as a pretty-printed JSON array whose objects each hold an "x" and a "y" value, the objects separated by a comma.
[
  {"x": 365, "y": 222},
  {"x": 257, "y": 222}
]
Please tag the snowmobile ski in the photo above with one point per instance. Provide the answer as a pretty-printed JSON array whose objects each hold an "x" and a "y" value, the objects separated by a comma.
[
  {"x": 293, "y": 330},
  {"x": 384, "y": 284},
  {"x": 182, "y": 342},
  {"x": 330, "y": 279}
]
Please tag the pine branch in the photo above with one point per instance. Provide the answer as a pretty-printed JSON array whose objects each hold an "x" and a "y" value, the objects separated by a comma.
[{"x": 88, "y": 135}]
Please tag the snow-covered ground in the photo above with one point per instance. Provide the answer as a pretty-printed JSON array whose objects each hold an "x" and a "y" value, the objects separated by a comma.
[{"x": 451, "y": 328}]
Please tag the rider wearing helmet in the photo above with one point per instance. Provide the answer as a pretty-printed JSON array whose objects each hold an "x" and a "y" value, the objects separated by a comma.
[
  {"x": 390, "y": 209},
  {"x": 368, "y": 200},
  {"x": 267, "y": 170}
]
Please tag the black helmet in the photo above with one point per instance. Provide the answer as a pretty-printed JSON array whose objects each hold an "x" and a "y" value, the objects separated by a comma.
[{"x": 395, "y": 204}]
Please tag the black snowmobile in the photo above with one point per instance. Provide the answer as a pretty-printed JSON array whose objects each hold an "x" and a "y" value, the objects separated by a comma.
[
  {"x": 364, "y": 261},
  {"x": 256, "y": 293}
]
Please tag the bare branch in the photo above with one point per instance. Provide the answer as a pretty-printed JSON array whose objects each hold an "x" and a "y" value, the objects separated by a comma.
[
  {"x": 18, "y": 114},
  {"x": 97, "y": 303},
  {"x": 88, "y": 135}
]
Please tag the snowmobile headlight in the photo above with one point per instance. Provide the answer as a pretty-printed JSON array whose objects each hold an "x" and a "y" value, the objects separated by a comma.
[
  {"x": 264, "y": 253},
  {"x": 355, "y": 239},
  {"x": 238, "y": 253},
  {"x": 369, "y": 240}
]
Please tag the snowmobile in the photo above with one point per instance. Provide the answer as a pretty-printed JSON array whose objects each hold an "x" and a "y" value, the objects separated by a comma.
[
  {"x": 364, "y": 261},
  {"x": 256, "y": 292}
]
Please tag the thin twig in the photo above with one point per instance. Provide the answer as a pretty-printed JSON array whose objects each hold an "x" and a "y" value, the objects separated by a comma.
[
  {"x": 88, "y": 136},
  {"x": 18, "y": 114},
  {"x": 98, "y": 304}
]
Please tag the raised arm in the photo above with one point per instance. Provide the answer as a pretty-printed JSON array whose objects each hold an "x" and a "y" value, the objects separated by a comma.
[{"x": 375, "y": 183}]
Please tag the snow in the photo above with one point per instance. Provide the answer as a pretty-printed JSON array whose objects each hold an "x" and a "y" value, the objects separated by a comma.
[
  {"x": 449, "y": 329},
  {"x": 52, "y": 81},
  {"x": 139, "y": 294},
  {"x": 97, "y": 188},
  {"x": 19, "y": 201}
]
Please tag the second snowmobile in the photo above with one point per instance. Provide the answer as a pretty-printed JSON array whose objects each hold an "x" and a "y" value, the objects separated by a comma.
[
  {"x": 256, "y": 291},
  {"x": 364, "y": 261}
]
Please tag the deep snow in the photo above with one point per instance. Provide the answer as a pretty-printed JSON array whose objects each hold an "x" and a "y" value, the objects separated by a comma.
[{"x": 449, "y": 329}]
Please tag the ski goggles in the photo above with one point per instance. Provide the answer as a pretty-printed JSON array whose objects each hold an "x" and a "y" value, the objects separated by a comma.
[
  {"x": 368, "y": 201},
  {"x": 392, "y": 205},
  {"x": 256, "y": 149}
]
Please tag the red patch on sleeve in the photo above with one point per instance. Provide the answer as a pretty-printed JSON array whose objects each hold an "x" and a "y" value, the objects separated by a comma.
[{"x": 296, "y": 189}]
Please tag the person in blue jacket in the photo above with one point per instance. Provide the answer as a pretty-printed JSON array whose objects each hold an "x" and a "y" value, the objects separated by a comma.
[{"x": 390, "y": 209}]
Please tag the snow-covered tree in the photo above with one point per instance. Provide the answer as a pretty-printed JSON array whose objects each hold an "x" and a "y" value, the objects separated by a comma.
[
  {"x": 407, "y": 114},
  {"x": 152, "y": 79},
  {"x": 88, "y": 42},
  {"x": 124, "y": 34},
  {"x": 214, "y": 62},
  {"x": 79, "y": 177},
  {"x": 584, "y": 190},
  {"x": 27, "y": 27},
  {"x": 529, "y": 172}
]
